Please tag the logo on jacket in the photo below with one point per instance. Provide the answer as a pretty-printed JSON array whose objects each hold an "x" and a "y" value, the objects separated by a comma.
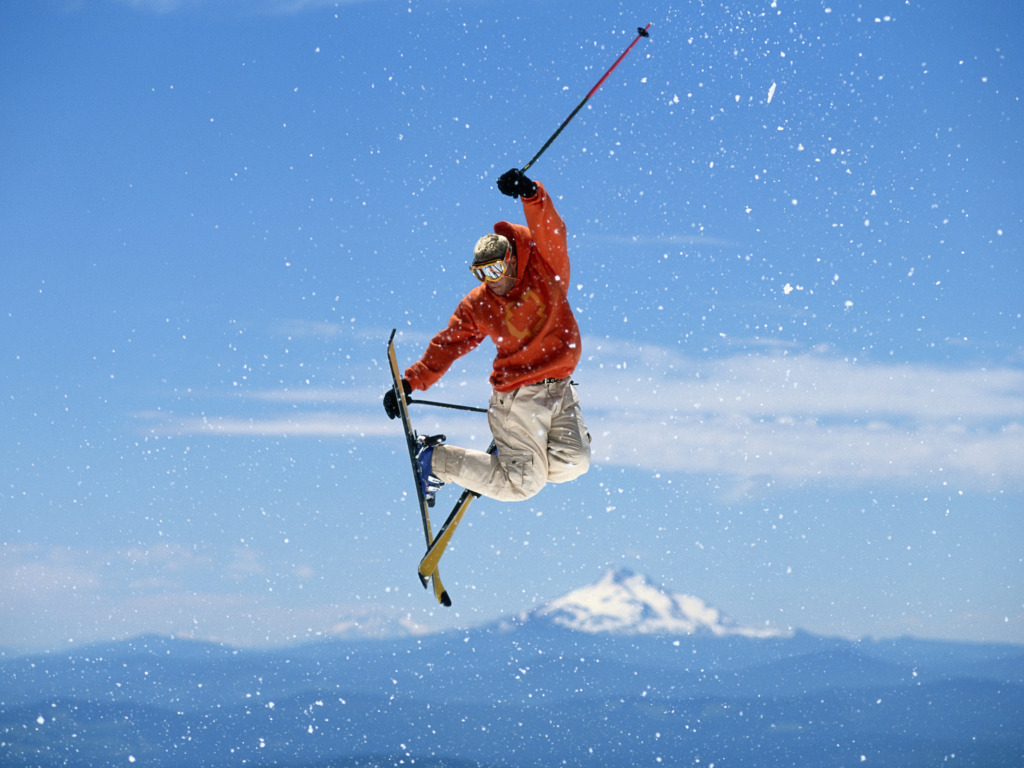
[{"x": 524, "y": 318}]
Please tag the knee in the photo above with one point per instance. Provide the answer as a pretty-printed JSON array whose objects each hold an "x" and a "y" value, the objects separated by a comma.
[
  {"x": 563, "y": 469},
  {"x": 564, "y": 472}
]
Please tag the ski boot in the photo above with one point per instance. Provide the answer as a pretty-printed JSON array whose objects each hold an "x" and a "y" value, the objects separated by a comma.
[{"x": 425, "y": 458}]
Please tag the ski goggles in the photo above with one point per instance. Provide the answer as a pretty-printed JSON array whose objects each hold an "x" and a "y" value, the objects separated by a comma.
[{"x": 491, "y": 271}]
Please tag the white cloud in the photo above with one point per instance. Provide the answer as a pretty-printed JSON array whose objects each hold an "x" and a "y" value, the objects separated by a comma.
[
  {"x": 803, "y": 417},
  {"x": 57, "y": 595},
  {"x": 783, "y": 415},
  {"x": 662, "y": 240},
  {"x": 320, "y": 424}
]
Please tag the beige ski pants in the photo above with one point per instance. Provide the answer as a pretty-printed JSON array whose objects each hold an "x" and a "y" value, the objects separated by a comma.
[{"x": 541, "y": 438}]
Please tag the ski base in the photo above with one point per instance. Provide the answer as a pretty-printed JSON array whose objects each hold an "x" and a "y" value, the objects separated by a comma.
[{"x": 440, "y": 593}]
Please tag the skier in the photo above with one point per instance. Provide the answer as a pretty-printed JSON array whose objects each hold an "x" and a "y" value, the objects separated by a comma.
[{"x": 534, "y": 412}]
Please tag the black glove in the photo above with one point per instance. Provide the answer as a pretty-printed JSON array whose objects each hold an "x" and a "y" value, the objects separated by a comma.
[
  {"x": 391, "y": 400},
  {"x": 515, "y": 183}
]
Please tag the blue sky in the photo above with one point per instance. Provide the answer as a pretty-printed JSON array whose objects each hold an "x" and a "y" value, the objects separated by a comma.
[{"x": 796, "y": 233}]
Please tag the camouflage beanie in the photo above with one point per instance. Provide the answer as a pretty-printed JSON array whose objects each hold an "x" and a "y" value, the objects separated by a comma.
[{"x": 490, "y": 248}]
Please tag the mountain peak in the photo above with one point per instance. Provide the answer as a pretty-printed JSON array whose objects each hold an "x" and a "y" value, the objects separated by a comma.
[{"x": 625, "y": 603}]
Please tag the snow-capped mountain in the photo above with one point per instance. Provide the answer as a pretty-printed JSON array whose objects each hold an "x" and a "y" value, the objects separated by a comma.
[{"x": 624, "y": 603}]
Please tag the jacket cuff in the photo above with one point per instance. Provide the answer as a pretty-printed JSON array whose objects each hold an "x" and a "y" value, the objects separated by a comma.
[
  {"x": 414, "y": 380},
  {"x": 535, "y": 196}
]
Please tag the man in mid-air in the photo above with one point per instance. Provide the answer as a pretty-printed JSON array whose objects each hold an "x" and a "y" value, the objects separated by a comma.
[{"x": 522, "y": 305}]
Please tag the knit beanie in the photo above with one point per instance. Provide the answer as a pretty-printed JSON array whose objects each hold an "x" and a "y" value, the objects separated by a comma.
[{"x": 490, "y": 248}]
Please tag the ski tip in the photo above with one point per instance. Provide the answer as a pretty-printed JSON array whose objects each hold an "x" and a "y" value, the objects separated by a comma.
[
  {"x": 424, "y": 580},
  {"x": 445, "y": 600}
]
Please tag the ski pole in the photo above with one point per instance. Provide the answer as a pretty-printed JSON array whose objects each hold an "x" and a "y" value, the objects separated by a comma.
[
  {"x": 641, "y": 32},
  {"x": 474, "y": 409}
]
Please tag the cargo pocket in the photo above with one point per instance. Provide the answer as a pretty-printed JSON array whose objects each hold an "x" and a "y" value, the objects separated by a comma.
[
  {"x": 522, "y": 475},
  {"x": 499, "y": 409}
]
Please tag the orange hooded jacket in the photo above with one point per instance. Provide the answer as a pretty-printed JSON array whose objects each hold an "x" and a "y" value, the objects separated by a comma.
[{"x": 532, "y": 326}]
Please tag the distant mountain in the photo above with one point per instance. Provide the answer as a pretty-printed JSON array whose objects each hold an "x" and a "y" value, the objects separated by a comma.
[
  {"x": 625, "y": 603},
  {"x": 374, "y": 624},
  {"x": 618, "y": 673}
]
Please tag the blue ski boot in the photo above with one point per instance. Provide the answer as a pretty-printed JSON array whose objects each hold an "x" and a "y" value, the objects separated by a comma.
[{"x": 425, "y": 457}]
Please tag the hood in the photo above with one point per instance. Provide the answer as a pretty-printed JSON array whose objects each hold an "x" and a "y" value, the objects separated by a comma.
[{"x": 520, "y": 235}]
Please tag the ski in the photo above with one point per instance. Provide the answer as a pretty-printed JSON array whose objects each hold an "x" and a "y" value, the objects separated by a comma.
[
  {"x": 435, "y": 549},
  {"x": 410, "y": 438}
]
